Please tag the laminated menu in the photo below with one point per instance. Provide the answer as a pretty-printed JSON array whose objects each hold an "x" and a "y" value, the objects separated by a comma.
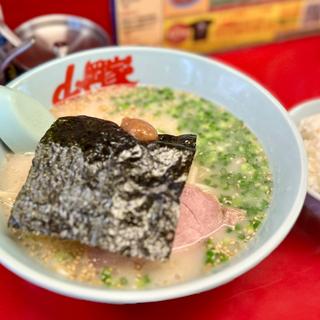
[{"x": 213, "y": 25}]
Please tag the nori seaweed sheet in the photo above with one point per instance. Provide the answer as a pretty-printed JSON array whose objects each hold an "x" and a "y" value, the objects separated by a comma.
[{"x": 93, "y": 182}]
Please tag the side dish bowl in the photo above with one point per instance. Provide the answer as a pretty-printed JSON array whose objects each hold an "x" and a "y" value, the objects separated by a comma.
[
  {"x": 247, "y": 100},
  {"x": 303, "y": 110}
]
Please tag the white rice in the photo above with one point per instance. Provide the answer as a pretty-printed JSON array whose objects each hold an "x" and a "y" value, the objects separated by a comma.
[{"x": 310, "y": 131}]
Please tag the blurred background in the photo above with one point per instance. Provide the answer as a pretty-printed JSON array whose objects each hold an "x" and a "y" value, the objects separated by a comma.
[
  {"x": 203, "y": 26},
  {"x": 251, "y": 35},
  {"x": 18, "y": 11}
]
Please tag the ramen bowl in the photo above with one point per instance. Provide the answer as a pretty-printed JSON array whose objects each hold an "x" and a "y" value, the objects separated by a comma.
[{"x": 261, "y": 112}]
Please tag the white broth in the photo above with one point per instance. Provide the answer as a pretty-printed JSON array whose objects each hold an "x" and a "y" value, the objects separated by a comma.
[{"x": 230, "y": 164}]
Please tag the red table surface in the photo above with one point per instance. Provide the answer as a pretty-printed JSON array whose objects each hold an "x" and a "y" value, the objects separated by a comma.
[{"x": 286, "y": 285}]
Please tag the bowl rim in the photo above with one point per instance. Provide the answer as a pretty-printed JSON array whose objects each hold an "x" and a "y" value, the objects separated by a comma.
[
  {"x": 77, "y": 290},
  {"x": 295, "y": 113}
]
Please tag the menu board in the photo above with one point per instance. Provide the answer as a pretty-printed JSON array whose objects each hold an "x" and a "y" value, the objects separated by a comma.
[{"x": 213, "y": 25}]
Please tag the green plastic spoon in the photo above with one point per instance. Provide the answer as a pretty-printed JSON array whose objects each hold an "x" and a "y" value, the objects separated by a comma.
[{"x": 23, "y": 120}]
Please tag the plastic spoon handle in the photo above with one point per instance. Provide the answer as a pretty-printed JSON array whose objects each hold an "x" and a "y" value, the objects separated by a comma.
[
  {"x": 7, "y": 32},
  {"x": 23, "y": 120},
  {"x": 9, "y": 35}
]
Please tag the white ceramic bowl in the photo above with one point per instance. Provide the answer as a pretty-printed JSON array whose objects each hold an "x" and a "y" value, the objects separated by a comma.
[
  {"x": 212, "y": 80},
  {"x": 301, "y": 111}
]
